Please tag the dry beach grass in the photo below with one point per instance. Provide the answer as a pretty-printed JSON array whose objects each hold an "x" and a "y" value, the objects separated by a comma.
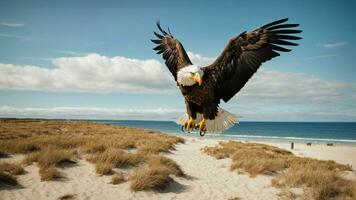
[
  {"x": 52, "y": 144},
  {"x": 319, "y": 179},
  {"x": 117, "y": 178},
  {"x": 8, "y": 172}
]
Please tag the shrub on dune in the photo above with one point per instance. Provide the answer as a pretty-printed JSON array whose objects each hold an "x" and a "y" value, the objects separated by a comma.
[
  {"x": 117, "y": 178},
  {"x": 171, "y": 166},
  {"x": 11, "y": 168},
  {"x": 48, "y": 159},
  {"x": 150, "y": 178},
  {"x": 55, "y": 157},
  {"x": 116, "y": 157},
  {"x": 49, "y": 173},
  {"x": 32, "y": 157},
  {"x": 7, "y": 172},
  {"x": 104, "y": 168}
]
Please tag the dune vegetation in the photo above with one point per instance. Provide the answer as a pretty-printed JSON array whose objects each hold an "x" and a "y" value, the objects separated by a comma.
[
  {"x": 117, "y": 178},
  {"x": 8, "y": 172},
  {"x": 319, "y": 179},
  {"x": 53, "y": 143}
]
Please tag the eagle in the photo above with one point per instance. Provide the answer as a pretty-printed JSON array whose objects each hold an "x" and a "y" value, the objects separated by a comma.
[{"x": 203, "y": 87}]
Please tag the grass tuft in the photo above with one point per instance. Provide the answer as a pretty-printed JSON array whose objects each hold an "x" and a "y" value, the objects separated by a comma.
[
  {"x": 54, "y": 157},
  {"x": 11, "y": 168},
  {"x": 150, "y": 178},
  {"x": 104, "y": 168},
  {"x": 117, "y": 178},
  {"x": 31, "y": 158},
  {"x": 47, "y": 160},
  {"x": 49, "y": 174},
  {"x": 112, "y": 158},
  {"x": 171, "y": 166},
  {"x": 7, "y": 172}
]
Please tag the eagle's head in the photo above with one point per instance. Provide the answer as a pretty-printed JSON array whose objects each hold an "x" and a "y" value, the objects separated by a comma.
[{"x": 190, "y": 75}]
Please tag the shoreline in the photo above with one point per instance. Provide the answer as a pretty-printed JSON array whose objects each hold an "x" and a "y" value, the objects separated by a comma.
[{"x": 272, "y": 139}]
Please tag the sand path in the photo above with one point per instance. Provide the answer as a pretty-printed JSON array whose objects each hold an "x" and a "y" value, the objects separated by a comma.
[{"x": 212, "y": 179}]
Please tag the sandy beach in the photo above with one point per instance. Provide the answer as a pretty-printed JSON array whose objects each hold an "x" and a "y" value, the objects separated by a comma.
[{"x": 205, "y": 177}]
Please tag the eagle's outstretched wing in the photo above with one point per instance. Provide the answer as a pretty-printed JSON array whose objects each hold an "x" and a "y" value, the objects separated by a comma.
[
  {"x": 244, "y": 54},
  {"x": 172, "y": 51}
]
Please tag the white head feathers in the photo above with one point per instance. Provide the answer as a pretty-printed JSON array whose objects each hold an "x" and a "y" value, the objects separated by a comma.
[{"x": 186, "y": 74}]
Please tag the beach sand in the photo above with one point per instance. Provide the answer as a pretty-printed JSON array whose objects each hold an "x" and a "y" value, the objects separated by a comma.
[{"x": 207, "y": 177}]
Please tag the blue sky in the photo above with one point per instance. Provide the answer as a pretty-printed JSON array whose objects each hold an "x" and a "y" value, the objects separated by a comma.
[{"x": 93, "y": 59}]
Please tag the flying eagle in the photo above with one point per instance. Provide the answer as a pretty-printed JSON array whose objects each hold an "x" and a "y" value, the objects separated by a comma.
[{"x": 204, "y": 86}]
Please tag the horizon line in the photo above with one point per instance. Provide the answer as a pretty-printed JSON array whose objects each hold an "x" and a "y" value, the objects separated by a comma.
[{"x": 159, "y": 120}]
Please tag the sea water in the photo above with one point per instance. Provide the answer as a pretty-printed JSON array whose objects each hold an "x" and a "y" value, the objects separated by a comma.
[{"x": 315, "y": 132}]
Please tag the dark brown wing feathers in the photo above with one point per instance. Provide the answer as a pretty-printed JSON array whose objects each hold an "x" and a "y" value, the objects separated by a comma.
[
  {"x": 245, "y": 53},
  {"x": 172, "y": 51}
]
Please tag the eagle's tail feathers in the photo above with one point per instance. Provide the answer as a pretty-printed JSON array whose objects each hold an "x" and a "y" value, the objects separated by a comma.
[
  {"x": 224, "y": 120},
  {"x": 182, "y": 119}
]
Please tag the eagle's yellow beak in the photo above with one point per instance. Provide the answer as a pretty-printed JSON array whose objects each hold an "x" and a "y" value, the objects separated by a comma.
[{"x": 198, "y": 79}]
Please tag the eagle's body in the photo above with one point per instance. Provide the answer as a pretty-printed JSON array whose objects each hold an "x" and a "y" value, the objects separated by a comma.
[
  {"x": 204, "y": 87},
  {"x": 201, "y": 99}
]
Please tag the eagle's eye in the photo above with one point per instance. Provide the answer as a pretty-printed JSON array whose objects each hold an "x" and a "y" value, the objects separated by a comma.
[{"x": 192, "y": 73}]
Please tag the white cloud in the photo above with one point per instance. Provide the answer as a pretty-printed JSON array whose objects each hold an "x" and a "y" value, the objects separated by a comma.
[
  {"x": 89, "y": 113},
  {"x": 199, "y": 60},
  {"x": 97, "y": 73},
  {"x": 92, "y": 72},
  {"x": 334, "y": 45},
  {"x": 14, "y": 25}
]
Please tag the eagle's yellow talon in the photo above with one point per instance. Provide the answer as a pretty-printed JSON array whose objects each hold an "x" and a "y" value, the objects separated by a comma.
[
  {"x": 190, "y": 124},
  {"x": 201, "y": 126}
]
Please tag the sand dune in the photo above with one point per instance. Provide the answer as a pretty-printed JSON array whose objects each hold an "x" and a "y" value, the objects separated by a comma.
[{"x": 207, "y": 178}]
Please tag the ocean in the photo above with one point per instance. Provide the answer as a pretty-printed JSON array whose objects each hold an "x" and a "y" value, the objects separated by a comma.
[{"x": 315, "y": 132}]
